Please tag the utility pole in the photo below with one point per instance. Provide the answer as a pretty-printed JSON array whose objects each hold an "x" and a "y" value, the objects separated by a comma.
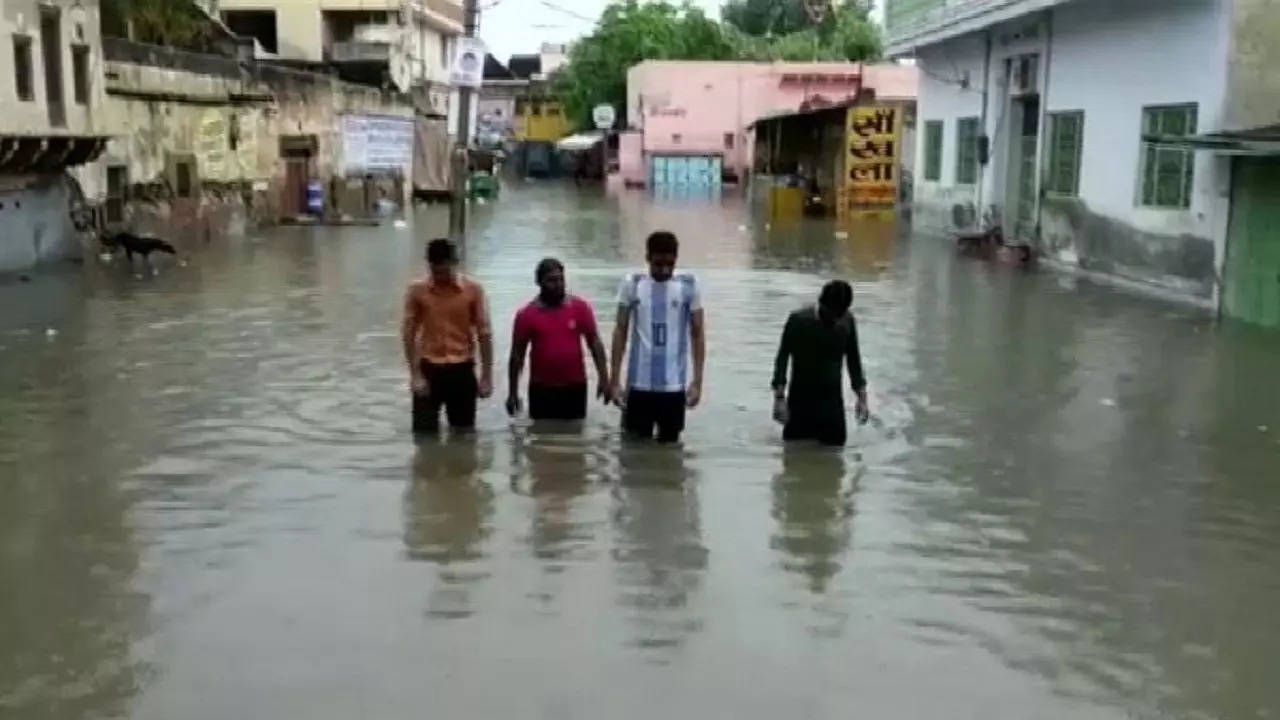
[{"x": 460, "y": 163}]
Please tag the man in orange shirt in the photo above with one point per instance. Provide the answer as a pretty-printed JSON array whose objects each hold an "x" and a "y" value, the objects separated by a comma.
[{"x": 445, "y": 318}]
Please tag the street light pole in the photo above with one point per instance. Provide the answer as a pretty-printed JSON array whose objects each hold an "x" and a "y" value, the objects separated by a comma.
[{"x": 460, "y": 164}]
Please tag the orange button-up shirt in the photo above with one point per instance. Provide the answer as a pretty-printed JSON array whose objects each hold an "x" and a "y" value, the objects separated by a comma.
[{"x": 447, "y": 317}]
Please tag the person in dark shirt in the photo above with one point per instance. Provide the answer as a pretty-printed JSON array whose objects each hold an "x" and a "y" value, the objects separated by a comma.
[{"x": 815, "y": 341}]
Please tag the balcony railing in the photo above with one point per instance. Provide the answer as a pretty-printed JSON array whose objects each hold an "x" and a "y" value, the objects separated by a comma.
[
  {"x": 907, "y": 21},
  {"x": 353, "y": 51}
]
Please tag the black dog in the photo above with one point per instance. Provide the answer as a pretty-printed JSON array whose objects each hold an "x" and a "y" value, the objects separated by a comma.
[{"x": 132, "y": 244}]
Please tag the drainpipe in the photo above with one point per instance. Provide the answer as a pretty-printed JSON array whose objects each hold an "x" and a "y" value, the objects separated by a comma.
[
  {"x": 739, "y": 140},
  {"x": 984, "y": 158},
  {"x": 1041, "y": 140}
]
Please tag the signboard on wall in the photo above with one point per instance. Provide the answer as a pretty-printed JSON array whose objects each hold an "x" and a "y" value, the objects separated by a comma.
[
  {"x": 604, "y": 116},
  {"x": 211, "y": 145},
  {"x": 376, "y": 142},
  {"x": 873, "y": 139},
  {"x": 468, "y": 63},
  {"x": 245, "y": 125}
]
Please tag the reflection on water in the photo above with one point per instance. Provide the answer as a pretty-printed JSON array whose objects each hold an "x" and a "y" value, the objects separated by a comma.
[
  {"x": 557, "y": 471},
  {"x": 211, "y": 505},
  {"x": 813, "y": 509},
  {"x": 447, "y": 510},
  {"x": 658, "y": 547}
]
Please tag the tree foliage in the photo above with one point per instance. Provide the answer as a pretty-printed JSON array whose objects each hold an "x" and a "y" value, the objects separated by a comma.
[
  {"x": 631, "y": 31},
  {"x": 845, "y": 31},
  {"x": 849, "y": 39},
  {"x": 627, "y": 33},
  {"x": 174, "y": 23},
  {"x": 765, "y": 18}
]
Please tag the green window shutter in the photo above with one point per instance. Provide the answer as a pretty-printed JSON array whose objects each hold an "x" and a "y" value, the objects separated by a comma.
[
  {"x": 1168, "y": 173},
  {"x": 1066, "y": 141},
  {"x": 967, "y": 151},
  {"x": 933, "y": 150}
]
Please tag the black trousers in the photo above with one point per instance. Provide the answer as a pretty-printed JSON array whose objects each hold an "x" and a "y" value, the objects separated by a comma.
[
  {"x": 646, "y": 410},
  {"x": 452, "y": 386},
  {"x": 549, "y": 402},
  {"x": 817, "y": 416}
]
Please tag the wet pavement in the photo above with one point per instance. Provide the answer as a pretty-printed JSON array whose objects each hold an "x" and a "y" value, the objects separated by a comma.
[{"x": 1067, "y": 505}]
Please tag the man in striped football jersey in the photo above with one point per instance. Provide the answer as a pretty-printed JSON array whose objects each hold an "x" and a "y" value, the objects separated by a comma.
[{"x": 660, "y": 314}]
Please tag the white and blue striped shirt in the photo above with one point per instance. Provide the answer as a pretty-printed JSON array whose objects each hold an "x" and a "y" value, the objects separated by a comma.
[{"x": 661, "y": 322}]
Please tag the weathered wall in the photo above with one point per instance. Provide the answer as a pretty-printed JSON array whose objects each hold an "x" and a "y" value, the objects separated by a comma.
[
  {"x": 1253, "y": 85},
  {"x": 1179, "y": 262},
  {"x": 171, "y": 107},
  {"x": 35, "y": 220},
  {"x": 1109, "y": 59},
  {"x": 1107, "y": 229},
  {"x": 79, "y": 26}
]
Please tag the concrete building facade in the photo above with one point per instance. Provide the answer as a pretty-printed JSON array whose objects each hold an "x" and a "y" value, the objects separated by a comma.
[
  {"x": 407, "y": 45},
  {"x": 52, "y": 124},
  {"x": 207, "y": 145},
  {"x": 1078, "y": 126}
]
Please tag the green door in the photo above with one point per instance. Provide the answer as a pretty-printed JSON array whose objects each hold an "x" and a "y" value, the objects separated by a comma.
[{"x": 1252, "y": 290}]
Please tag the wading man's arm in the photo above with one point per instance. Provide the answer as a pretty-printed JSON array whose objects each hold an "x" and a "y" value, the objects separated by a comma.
[
  {"x": 410, "y": 325},
  {"x": 603, "y": 390},
  {"x": 484, "y": 336},
  {"x": 618, "y": 352},
  {"x": 698, "y": 333},
  {"x": 515, "y": 367},
  {"x": 780, "y": 363},
  {"x": 853, "y": 356}
]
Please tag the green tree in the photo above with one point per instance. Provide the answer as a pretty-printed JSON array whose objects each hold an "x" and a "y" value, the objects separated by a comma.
[
  {"x": 628, "y": 33},
  {"x": 174, "y": 23},
  {"x": 847, "y": 33},
  {"x": 766, "y": 18}
]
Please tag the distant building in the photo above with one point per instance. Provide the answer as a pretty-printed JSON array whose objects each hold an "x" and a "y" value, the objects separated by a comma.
[
  {"x": 1127, "y": 138},
  {"x": 518, "y": 101},
  {"x": 52, "y": 94},
  {"x": 701, "y": 110},
  {"x": 406, "y": 45},
  {"x": 552, "y": 57}
]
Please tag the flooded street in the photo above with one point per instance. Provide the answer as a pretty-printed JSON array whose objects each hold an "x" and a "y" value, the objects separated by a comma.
[{"x": 1067, "y": 504}]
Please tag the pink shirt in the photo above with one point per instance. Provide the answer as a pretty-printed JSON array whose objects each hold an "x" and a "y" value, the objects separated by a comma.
[{"x": 555, "y": 337}]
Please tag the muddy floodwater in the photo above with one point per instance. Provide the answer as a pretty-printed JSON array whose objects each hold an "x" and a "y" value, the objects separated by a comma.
[{"x": 1067, "y": 504}]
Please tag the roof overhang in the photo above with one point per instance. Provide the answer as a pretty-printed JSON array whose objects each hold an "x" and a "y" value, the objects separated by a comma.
[
  {"x": 953, "y": 19},
  {"x": 48, "y": 153},
  {"x": 1257, "y": 142}
]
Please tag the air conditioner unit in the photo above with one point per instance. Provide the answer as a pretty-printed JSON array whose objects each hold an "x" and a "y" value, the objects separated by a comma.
[{"x": 1025, "y": 75}]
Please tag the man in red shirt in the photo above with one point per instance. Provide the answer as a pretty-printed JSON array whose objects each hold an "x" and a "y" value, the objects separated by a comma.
[{"x": 555, "y": 324}]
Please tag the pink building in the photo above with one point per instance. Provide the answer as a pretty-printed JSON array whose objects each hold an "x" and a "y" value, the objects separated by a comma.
[{"x": 688, "y": 109}]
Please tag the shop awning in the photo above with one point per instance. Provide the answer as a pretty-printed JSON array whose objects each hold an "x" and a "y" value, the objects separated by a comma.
[
  {"x": 803, "y": 112},
  {"x": 580, "y": 142},
  {"x": 1262, "y": 141}
]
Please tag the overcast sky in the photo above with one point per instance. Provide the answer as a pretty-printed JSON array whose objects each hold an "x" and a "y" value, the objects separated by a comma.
[{"x": 521, "y": 26}]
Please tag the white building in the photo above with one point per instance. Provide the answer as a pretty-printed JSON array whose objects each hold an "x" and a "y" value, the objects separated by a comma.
[
  {"x": 52, "y": 93},
  {"x": 1106, "y": 134}
]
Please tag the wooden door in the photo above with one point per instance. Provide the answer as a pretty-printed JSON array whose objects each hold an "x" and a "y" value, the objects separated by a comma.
[{"x": 297, "y": 172}]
